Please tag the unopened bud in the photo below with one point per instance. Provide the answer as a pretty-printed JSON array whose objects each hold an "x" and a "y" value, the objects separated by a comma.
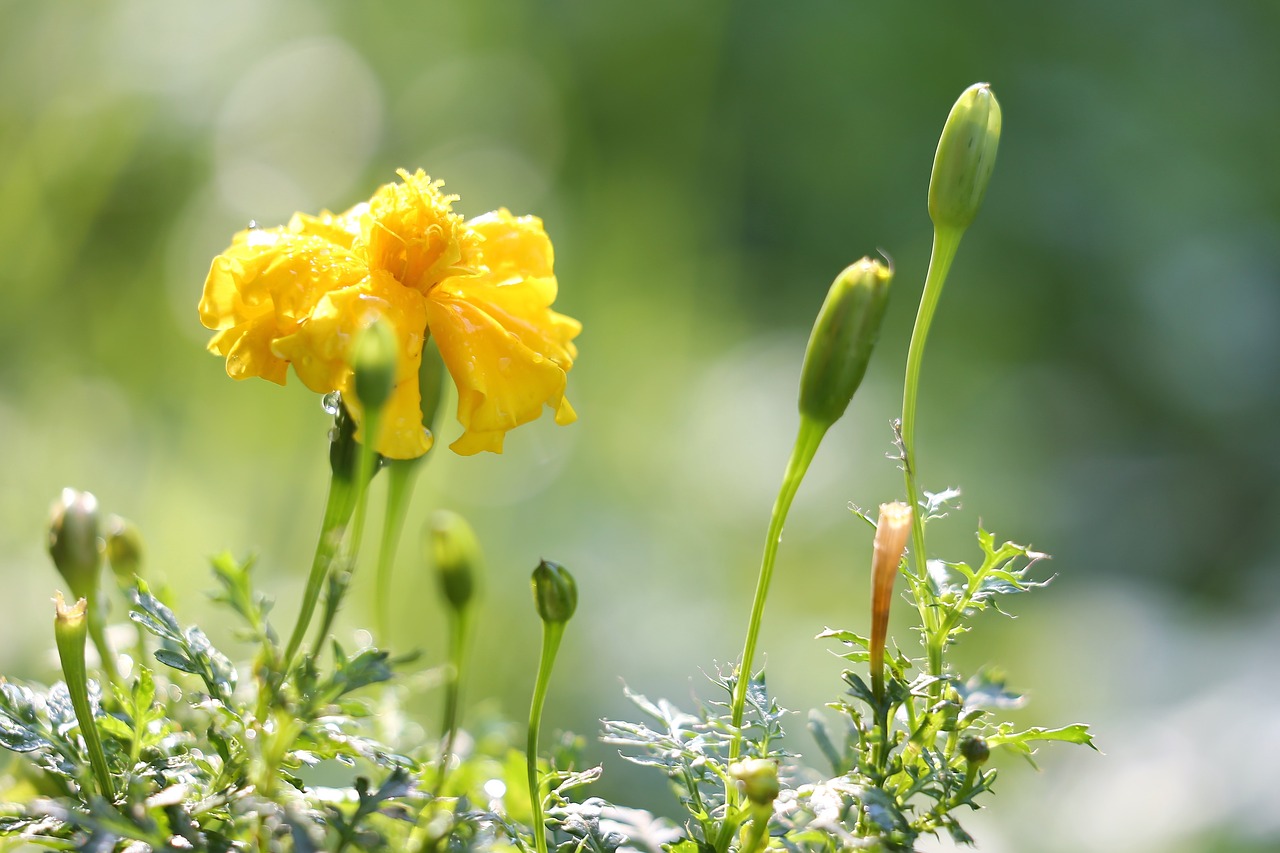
[
  {"x": 73, "y": 541},
  {"x": 759, "y": 779},
  {"x": 965, "y": 158},
  {"x": 842, "y": 339},
  {"x": 70, "y": 622},
  {"x": 892, "y": 530},
  {"x": 554, "y": 592},
  {"x": 124, "y": 549},
  {"x": 975, "y": 750},
  {"x": 455, "y": 553},
  {"x": 374, "y": 359}
]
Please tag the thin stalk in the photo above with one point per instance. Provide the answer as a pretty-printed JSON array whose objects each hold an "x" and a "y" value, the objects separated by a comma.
[
  {"x": 552, "y": 632},
  {"x": 400, "y": 477},
  {"x": 337, "y": 513},
  {"x": 760, "y": 816},
  {"x": 945, "y": 243},
  {"x": 98, "y": 633},
  {"x": 807, "y": 441},
  {"x": 364, "y": 477},
  {"x": 458, "y": 623}
]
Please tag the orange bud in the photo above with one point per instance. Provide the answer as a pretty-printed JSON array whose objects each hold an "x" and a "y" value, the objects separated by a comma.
[{"x": 891, "y": 541}]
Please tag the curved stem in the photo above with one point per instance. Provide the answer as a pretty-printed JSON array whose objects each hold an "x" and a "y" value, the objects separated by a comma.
[
  {"x": 337, "y": 513},
  {"x": 807, "y": 441},
  {"x": 552, "y": 632},
  {"x": 400, "y": 477},
  {"x": 945, "y": 243},
  {"x": 341, "y": 570}
]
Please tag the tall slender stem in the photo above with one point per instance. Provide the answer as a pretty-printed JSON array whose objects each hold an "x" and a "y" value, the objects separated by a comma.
[
  {"x": 807, "y": 441},
  {"x": 337, "y": 513},
  {"x": 552, "y": 632},
  {"x": 98, "y": 633},
  {"x": 458, "y": 623},
  {"x": 400, "y": 477},
  {"x": 945, "y": 243}
]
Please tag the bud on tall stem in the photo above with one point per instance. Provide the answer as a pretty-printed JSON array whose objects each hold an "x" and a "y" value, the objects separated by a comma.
[
  {"x": 891, "y": 541},
  {"x": 555, "y": 595}
]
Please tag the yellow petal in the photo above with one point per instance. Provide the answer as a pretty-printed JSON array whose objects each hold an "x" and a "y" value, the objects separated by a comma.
[
  {"x": 501, "y": 382},
  {"x": 262, "y": 286},
  {"x": 320, "y": 353}
]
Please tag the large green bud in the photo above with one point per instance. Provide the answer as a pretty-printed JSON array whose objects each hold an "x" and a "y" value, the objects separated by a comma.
[
  {"x": 965, "y": 158},
  {"x": 74, "y": 542},
  {"x": 842, "y": 339},
  {"x": 455, "y": 553},
  {"x": 373, "y": 360},
  {"x": 555, "y": 593}
]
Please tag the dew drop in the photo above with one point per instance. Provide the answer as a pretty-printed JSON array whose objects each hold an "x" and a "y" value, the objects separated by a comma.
[
  {"x": 253, "y": 225},
  {"x": 332, "y": 402}
]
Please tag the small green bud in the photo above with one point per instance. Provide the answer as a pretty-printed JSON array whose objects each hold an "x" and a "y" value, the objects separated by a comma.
[
  {"x": 759, "y": 779},
  {"x": 965, "y": 157},
  {"x": 975, "y": 750},
  {"x": 374, "y": 359},
  {"x": 70, "y": 630},
  {"x": 454, "y": 551},
  {"x": 842, "y": 339},
  {"x": 554, "y": 592},
  {"x": 73, "y": 541},
  {"x": 124, "y": 549},
  {"x": 431, "y": 383}
]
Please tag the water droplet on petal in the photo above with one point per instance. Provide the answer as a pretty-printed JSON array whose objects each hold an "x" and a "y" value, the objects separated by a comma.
[
  {"x": 253, "y": 225},
  {"x": 332, "y": 402}
]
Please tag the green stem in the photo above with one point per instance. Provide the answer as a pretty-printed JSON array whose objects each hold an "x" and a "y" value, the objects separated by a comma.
[
  {"x": 365, "y": 469},
  {"x": 552, "y": 632},
  {"x": 945, "y": 243},
  {"x": 337, "y": 513},
  {"x": 400, "y": 477},
  {"x": 459, "y": 623},
  {"x": 98, "y": 633},
  {"x": 807, "y": 441},
  {"x": 760, "y": 816}
]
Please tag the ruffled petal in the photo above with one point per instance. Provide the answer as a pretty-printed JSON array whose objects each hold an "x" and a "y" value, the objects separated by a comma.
[
  {"x": 320, "y": 353},
  {"x": 263, "y": 285},
  {"x": 410, "y": 231},
  {"x": 502, "y": 383}
]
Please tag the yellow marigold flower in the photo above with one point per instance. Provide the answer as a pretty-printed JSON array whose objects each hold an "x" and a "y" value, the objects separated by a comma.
[{"x": 300, "y": 294}]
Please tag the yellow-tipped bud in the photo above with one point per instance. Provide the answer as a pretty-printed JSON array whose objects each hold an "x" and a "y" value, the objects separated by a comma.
[
  {"x": 555, "y": 593},
  {"x": 455, "y": 552},
  {"x": 759, "y": 779},
  {"x": 892, "y": 530},
  {"x": 965, "y": 158},
  {"x": 124, "y": 549},
  {"x": 73, "y": 541},
  {"x": 70, "y": 629},
  {"x": 374, "y": 361},
  {"x": 842, "y": 339}
]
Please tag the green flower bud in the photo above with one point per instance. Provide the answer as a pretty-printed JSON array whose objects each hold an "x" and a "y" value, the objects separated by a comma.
[
  {"x": 124, "y": 549},
  {"x": 965, "y": 157},
  {"x": 759, "y": 779},
  {"x": 374, "y": 360},
  {"x": 431, "y": 384},
  {"x": 975, "y": 750},
  {"x": 842, "y": 339},
  {"x": 554, "y": 592},
  {"x": 454, "y": 551},
  {"x": 73, "y": 541}
]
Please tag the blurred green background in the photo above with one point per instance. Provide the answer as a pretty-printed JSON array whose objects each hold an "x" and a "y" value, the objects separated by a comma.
[{"x": 1101, "y": 380}]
